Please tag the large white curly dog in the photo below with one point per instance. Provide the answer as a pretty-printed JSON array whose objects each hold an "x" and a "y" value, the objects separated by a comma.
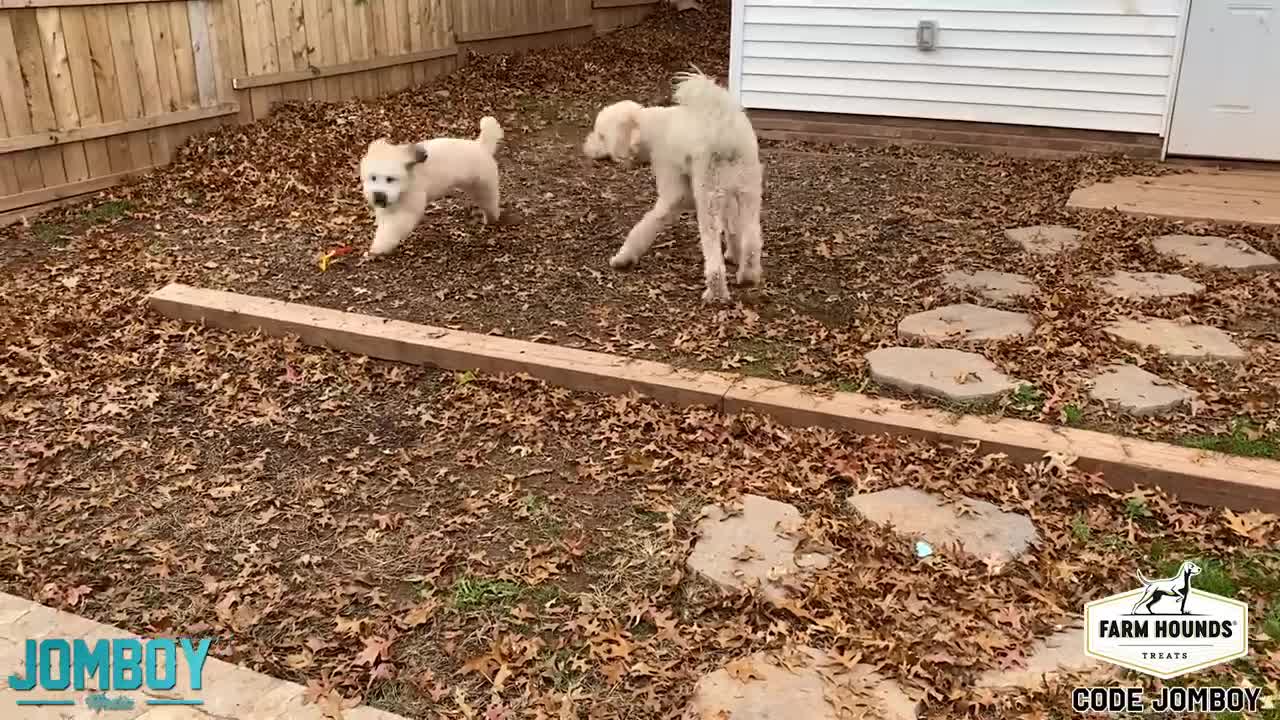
[
  {"x": 704, "y": 156},
  {"x": 399, "y": 180}
]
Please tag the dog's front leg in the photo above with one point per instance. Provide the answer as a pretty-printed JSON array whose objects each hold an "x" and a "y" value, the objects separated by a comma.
[
  {"x": 641, "y": 237},
  {"x": 392, "y": 229}
]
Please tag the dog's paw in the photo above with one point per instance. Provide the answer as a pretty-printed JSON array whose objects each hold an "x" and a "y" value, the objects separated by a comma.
[
  {"x": 716, "y": 295},
  {"x": 621, "y": 262},
  {"x": 749, "y": 276}
]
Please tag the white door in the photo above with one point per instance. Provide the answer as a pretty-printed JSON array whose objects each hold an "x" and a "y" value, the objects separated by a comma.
[{"x": 1227, "y": 103}]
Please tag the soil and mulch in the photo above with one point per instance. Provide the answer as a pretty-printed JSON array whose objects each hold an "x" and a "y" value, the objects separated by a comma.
[
  {"x": 856, "y": 239},
  {"x": 465, "y": 546}
]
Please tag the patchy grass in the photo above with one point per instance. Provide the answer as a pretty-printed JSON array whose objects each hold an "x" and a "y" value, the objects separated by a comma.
[
  {"x": 1027, "y": 399},
  {"x": 49, "y": 233},
  {"x": 108, "y": 211},
  {"x": 1072, "y": 415},
  {"x": 1244, "y": 439},
  {"x": 471, "y": 594}
]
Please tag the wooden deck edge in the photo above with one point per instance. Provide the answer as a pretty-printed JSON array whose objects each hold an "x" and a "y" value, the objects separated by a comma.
[
  {"x": 1196, "y": 476},
  {"x": 1099, "y": 198}
]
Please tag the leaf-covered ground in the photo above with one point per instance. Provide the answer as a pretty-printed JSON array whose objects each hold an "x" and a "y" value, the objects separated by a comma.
[
  {"x": 856, "y": 239},
  {"x": 465, "y": 546}
]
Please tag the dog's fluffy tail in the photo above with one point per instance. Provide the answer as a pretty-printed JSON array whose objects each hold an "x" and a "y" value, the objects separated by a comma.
[
  {"x": 722, "y": 121},
  {"x": 491, "y": 133},
  {"x": 694, "y": 89}
]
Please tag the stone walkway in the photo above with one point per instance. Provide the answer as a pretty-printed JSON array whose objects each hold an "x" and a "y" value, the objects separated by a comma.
[
  {"x": 228, "y": 692},
  {"x": 759, "y": 545},
  {"x": 963, "y": 376}
]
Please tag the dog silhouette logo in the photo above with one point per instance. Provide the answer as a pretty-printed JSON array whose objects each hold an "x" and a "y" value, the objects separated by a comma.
[
  {"x": 1178, "y": 586},
  {"x": 1167, "y": 627}
]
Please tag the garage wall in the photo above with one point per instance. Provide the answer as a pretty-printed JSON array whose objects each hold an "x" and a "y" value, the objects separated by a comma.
[{"x": 1091, "y": 64}]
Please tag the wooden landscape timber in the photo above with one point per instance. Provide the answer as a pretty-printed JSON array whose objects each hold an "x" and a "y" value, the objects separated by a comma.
[{"x": 1197, "y": 476}]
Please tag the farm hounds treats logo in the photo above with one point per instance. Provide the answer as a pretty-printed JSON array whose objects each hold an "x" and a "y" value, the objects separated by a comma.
[
  {"x": 60, "y": 672},
  {"x": 1167, "y": 628}
]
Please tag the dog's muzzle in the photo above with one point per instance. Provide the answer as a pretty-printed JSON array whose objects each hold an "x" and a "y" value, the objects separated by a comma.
[{"x": 380, "y": 199}]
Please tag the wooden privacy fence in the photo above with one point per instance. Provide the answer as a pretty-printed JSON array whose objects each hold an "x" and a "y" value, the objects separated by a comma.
[{"x": 93, "y": 92}]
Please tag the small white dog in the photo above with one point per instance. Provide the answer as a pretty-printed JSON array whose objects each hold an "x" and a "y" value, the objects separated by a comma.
[
  {"x": 399, "y": 180},
  {"x": 704, "y": 156}
]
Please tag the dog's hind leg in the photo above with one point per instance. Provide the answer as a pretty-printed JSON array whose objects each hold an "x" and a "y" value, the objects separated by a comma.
[
  {"x": 711, "y": 231},
  {"x": 485, "y": 196},
  {"x": 750, "y": 240}
]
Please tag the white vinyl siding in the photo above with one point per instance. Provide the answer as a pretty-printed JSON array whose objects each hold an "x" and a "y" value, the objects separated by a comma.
[{"x": 1091, "y": 64}]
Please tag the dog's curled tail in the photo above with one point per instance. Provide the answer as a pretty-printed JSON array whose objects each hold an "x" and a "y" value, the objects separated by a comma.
[
  {"x": 491, "y": 133},
  {"x": 695, "y": 89},
  {"x": 1143, "y": 578}
]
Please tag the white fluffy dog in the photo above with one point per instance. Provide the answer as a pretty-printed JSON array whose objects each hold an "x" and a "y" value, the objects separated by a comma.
[
  {"x": 704, "y": 156},
  {"x": 399, "y": 180}
]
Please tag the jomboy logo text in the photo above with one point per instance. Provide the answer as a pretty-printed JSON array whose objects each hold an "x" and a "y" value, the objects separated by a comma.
[{"x": 1167, "y": 627}]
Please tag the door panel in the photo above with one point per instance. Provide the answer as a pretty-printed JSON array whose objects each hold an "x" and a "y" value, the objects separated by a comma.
[{"x": 1227, "y": 103}]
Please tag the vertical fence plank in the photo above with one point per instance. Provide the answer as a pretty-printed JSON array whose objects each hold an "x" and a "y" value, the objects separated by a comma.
[
  {"x": 357, "y": 24},
  {"x": 13, "y": 97},
  {"x": 119, "y": 148},
  {"x": 329, "y": 49},
  {"x": 230, "y": 63},
  {"x": 417, "y": 38},
  {"x": 126, "y": 62},
  {"x": 9, "y": 182},
  {"x": 342, "y": 47},
  {"x": 296, "y": 58},
  {"x": 202, "y": 51},
  {"x": 62, "y": 95},
  {"x": 148, "y": 78},
  {"x": 26, "y": 35},
  {"x": 378, "y": 40},
  {"x": 85, "y": 85},
  {"x": 168, "y": 88},
  {"x": 180, "y": 31},
  {"x": 311, "y": 46},
  {"x": 265, "y": 26}
]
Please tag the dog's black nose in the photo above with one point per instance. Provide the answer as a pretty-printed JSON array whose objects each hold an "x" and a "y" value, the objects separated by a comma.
[{"x": 380, "y": 199}]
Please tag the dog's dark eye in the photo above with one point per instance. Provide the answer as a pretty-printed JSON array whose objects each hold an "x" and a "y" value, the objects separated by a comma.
[
  {"x": 391, "y": 180},
  {"x": 373, "y": 178}
]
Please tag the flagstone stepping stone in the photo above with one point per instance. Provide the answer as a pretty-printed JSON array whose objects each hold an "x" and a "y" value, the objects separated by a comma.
[
  {"x": 981, "y": 529},
  {"x": 1058, "y": 654},
  {"x": 1045, "y": 239},
  {"x": 964, "y": 322},
  {"x": 1177, "y": 341},
  {"x": 1148, "y": 285},
  {"x": 754, "y": 547},
  {"x": 992, "y": 285},
  {"x": 949, "y": 374},
  {"x": 1137, "y": 391},
  {"x": 797, "y": 683},
  {"x": 1217, "y": 252}
]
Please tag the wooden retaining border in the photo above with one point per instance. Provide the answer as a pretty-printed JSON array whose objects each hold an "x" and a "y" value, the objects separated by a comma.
[{"x": 1197, "y": 476}]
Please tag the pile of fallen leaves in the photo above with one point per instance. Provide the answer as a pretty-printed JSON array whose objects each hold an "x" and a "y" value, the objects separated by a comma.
[
  {"x": 466, "y": 546},
  {"x": 451, "y": 545}
]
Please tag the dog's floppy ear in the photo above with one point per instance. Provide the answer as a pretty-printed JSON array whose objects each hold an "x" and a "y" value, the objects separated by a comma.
[
  {"x": 419, "y": 153},
  {"x": 624, "y": 138}
]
